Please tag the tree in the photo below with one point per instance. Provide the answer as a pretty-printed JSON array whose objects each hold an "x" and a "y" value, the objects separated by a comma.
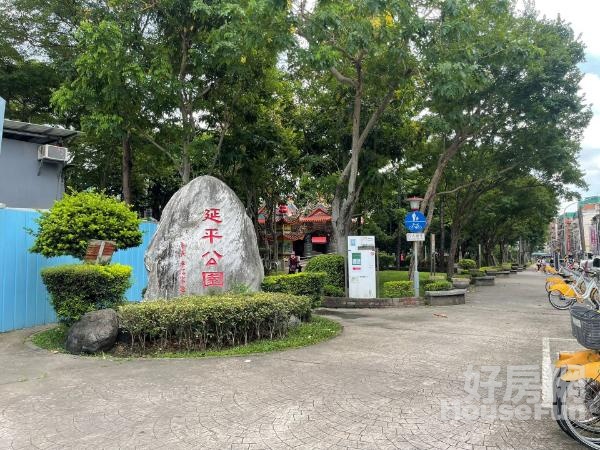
[
  {"x": 209, "y": 50},
  {"x": 25, "y": 83},
  {"x": 78, "y": 218},
  {"x": 368, "y": 48},
  {"x": 519, "y": 210},
  {"x": 108, "y": 90}
]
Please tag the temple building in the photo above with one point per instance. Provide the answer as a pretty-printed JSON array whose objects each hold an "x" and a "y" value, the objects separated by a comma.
[{"x": 307, "y": 232}]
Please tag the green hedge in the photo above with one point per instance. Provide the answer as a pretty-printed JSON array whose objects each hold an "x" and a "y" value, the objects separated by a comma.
[
  {"x": 438, "y": 286},
  {"x": 490, "y": 268},
  {"x": 332, "y": 265},
  {"x": 200, "y": 322},
  {"x": 305, "y": 283},
  {"x": 398, "y": 289},
  {"x": 333, "y": 291},
  {"x": 79, "y": 288},
  {"x": 467, "y": 263}
]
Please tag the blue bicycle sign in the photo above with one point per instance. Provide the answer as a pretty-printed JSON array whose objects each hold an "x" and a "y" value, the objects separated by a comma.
[{"x": 415, "y": 221}]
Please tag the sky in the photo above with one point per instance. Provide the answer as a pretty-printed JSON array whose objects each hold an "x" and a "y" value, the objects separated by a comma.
[{"x": 583, "y": 16}]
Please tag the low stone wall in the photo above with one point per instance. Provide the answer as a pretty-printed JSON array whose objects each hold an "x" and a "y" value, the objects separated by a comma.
[
  {"x": 345, "y": 302},
  {"x": 503, "y": 273},
  {"x": 445, "y": 298},
  {"x": 514, "y": 271},
  {"x": 485, "y": 281}
]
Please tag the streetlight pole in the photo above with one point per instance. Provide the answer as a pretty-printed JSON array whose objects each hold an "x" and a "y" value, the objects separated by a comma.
[
  {"x": 564, "y": 214},
  {"x": 415, "y": 203}
]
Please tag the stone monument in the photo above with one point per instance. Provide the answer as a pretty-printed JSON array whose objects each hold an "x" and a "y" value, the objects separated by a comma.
[{"x": 204, "y": 243}]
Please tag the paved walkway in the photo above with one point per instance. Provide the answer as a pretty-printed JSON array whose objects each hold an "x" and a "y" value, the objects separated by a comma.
[{"x": 379, "y": 385}]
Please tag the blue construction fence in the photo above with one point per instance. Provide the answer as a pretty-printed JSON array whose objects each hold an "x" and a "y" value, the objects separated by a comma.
[{"x": 24, "y": 300}]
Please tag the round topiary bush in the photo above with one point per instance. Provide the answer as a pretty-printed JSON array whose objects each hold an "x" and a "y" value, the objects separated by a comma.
[
  {"x": 332, "y": 265},
  {"x": 467, "y": 264},
  {"x": 76, "y": 289},
  {"x": 79, "y": 218}
]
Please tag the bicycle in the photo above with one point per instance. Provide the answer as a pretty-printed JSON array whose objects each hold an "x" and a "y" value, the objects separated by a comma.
[
  {"x": 562, "y": 295},
  {"x": 576, "y": 405}
]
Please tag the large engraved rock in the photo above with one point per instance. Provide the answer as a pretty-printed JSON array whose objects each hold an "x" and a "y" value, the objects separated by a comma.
[{"x": 204, "y": 243}]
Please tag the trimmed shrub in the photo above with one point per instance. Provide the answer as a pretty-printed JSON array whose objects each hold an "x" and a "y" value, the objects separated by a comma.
[
  {"x": 442, "y": 276},
  {"x": 78, "y": 218},
  {"x": 304, "y": 283},
  {"x": 76, "y": 289},
  {"x": 462, "y": 275},
  {"x": 465, "y": 272},
  {"x": 386, "y": 261},
  {"x": 200, "y": 322},
  {"x": 332, "y": 265},
  {"x": 398, "y": 289},
  {"x": 439, "y": 286},
  {"x": 490, "y": 268},
  {"x": 333, "y": 291},
  {"x": 467, "y": 263},
  {"x": 477, "y": 273}
]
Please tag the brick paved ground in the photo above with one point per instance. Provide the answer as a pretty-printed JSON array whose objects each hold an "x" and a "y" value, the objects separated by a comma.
[{"x": 377, "y": 386}]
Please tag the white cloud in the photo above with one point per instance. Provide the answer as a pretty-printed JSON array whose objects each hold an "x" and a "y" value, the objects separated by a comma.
[
  {"x": 591, "y": 136},
  {"x": 581, "y": 14},
  {"x": 590, "y": 87}
]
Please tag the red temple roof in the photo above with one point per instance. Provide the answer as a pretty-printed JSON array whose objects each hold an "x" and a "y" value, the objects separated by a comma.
[{"x": 318, "y": 215}]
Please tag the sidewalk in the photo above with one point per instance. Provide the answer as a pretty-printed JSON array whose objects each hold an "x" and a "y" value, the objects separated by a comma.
[{"x": 379, "y": 385}]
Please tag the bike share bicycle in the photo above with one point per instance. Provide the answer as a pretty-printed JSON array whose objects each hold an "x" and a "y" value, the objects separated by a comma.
[
  {"x": 568, "y": 287},
  {"x": 577, "y": 380}
]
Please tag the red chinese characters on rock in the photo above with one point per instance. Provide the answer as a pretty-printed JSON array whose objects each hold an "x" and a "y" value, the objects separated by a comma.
[
  {"x": 212, "y": 279},
  {"x": 213, "y": 214},
  {"x": 212, "y": 257},
  {"x": 182, "y": 274},
  {"x": 212, "y": 261},
  {"x": 211, "y": 234}
]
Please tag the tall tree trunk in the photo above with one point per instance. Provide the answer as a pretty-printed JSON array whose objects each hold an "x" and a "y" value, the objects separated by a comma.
[
  {"x": 398, "y": 248},
  {"x": 454, "y": 237},
  {"x": 443, "y": 160},
  {"x": 442, "y": 235},
  {"x": 347, "y": 191},
  {"x": 186, "y": 165},
  {"x": 126, "y": 168}
]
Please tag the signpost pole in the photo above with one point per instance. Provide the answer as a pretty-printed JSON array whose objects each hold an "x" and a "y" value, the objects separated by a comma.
[
  {"x": 415, "y": 223},
  {"x": 416, "y": 271},
  {"x": 432, "y": 258}
]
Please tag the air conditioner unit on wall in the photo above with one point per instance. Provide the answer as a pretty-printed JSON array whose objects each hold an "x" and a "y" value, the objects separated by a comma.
[{"x": 53, "y": 153}]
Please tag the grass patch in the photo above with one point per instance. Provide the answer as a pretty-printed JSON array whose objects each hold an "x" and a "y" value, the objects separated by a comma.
[
  {"x": 53, "y": 339},
  {"x": 318, "y": 329}
]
